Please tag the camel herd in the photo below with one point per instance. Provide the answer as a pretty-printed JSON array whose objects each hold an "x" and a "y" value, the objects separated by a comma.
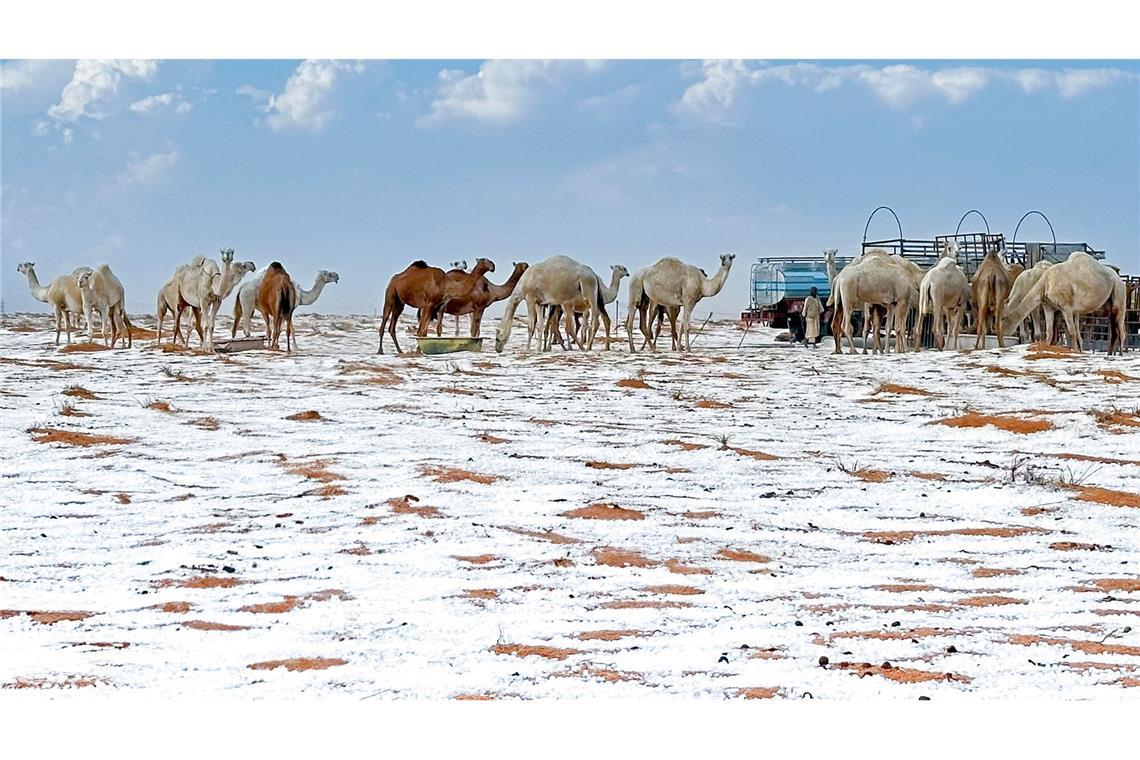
[
  {"x": 1004, "y": 296},
  {"x": 1001, "y": 298}
]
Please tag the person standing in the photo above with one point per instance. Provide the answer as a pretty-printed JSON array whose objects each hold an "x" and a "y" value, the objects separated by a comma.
[{"x": 812, "y": 311}]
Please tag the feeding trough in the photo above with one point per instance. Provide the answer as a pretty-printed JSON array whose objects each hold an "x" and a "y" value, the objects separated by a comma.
[
  {"x": 429, "y": 345},
  {"x": 240, "y": 344}
]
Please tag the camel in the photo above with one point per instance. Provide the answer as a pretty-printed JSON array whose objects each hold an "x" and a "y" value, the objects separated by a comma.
[
  {"x": 102, "y": 291},
  {"x": 944, "y": 293},
  {"x": 873, "y": 279},
  {"x": 640, "y": 301},
  {"x": 1022, "y": 284},
  {"x": 168, "y": 296},
  {"x": 482, "y": 296},
  {"x": 461, "y": 265},
  {"x": 246, "y": 302},
  {"x": 914, "y": 273},
  {"x": 62, "y": 293},
  {"x": 558, "y": 280},
  {"x": 609, "y": 294},
  {"x": 1077, "y": 286},
  {"x": 990, "y": 285},
  {"x": 276, "y": 300},
  {"x": 672, "y": 283},
  {"x": 872, "y": 313},
  {"x": 428, "y": 289},
  {"x": 202, "y": 288}
]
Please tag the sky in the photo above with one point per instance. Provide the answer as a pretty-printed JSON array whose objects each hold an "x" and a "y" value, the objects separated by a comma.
[{"x": 364, "y": 166}]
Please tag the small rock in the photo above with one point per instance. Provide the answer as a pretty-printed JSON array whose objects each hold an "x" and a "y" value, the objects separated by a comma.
[
  {"x": 823, "y": 661},
  {"x": 799, "y": 624},
  {"x": 229, "y": 569},
  {"x": 951, "y": 649},
  {"x": 895, "y": 624}
]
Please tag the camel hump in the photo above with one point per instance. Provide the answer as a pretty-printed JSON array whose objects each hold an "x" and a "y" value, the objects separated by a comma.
[
  {"x": 419, "y": 264},
  {"x": 275, "y": 267}
]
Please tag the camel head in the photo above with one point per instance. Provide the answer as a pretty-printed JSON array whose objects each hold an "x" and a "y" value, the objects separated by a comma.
[
  {"x": 227, "y": 255},
  {"x": 326, "y": 276},
  {"x": 483, "y": 266},
  {"x": 726, "y": 260},
  {"x": 950, "y": 249},
  {"x": 619, "y": 270},
  {"x": 243, "y": 267},
  {"x": 461, "y": 265},
  {"x": 83, "y": 278},
  {"x": 25, "y": 267}
]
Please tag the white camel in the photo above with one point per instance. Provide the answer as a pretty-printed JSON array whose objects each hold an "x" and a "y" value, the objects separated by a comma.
[
  {"x": 873, "y": 280},
  {"x": 672, "y": 283},
  {"x": 944, "y": 294},
  {"x": 201, "y": 289},
  {"x": 168, "y": 296},
  {"x": 102, "y": 291},
  {"x": 62, "y": 293},
  {"x": 1077, "y": 286},
  {"x": 1021, "y": 287},
  {"x": 246, "y": 302},
  {"x": 609, "y": 294},
  {"x": 558, "y": 280}
]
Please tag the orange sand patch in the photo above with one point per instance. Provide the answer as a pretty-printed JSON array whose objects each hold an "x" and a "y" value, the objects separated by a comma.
[
  {"x": 403, "y": 506},
  {"x": 377, "y": 375},
  {"x": 70, "y": 411},
  {"x": 1073, "y": 546},
  {"x": 474, "y": 697},
  {"x": 758, "y": 455},
  {"x": 74, "y": 348},
  {"x": 1034, "y": 511},
  {"x": 22, "y": 328},
  {"x": 481, "y": 593},
  {"x": 201, "y": 581},
  {"x": 175, "y": 607},
  {"x": 676, "y": 566},
  {"x": 205, "y": 625},
  {"x": 872, "y": 476},
  {"x": 609, "y": 465},
  {"x": 902, "y": 390},
  {"x": 742, "y": 555},
  {"x": 1127, "y": 681},
  {"x": 1088, "y": 647},
  {"x": 1002, "y": 422},
  {"x": 685, "y": 445},
  {"x": 478, "y": 559},
  {"x": 989, "y": 601},
  {"x": 143, "y": 333},
  {"x": 299, "y": 663},
  {"x": 927, "y": 475},
  {"x": 643, "y": 604},
  {"x": 457, "y": 391},
  {"x": 992, "y": 572},
  {"x": 73, "y": 438},
  {"x": 453, "y": 474},
  {"x": 70, "y": 682},
  {"x": 673, "y": 590},
  {"x": 899, "y": 675},
  {"x": 607, "y": 635},
  {"x": 1005, "y": 371},
  {"x": 206, "y": 423},
  {"x": 1089, "y": 458},
  {"x": 288, "y": 604},
  {"x": 523, "y": 650},
  {"x": 913, "y": 607},
  {"x": 123, "y": 498},
  {"x": 326, "y": 492},
  {"x": 611, "y": 557},
  {"x": 48, "y": 618},
  {"x": 1117, "y": 584},
  {"x": 703, "y": 515},
  {"x": 913, "y": 633},
  {"x": 1048, "y": 351},
  {"x": 305, "y": 416},
  {"x": 546, "y": 535},
  {"x": 160, "y": 406},
  {"x": 757, "y": 692},
  {"x": 604, "y": 512},
  {"x": 1113, "y": 419},
  {"x": 1107, "y": 496},
  {"x": 488, "y": 438},
  {"x": 1116, "y": 376},
  {"x": 608, "y": 675},
  {"x": 903, "y": 536},
  {"x": 708, "y": 403},
  {"x": 901, "y": 588},
  {"x": 632, "y": 382}
]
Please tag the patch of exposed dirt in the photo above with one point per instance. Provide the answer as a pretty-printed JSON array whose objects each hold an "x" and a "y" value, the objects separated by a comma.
[
  {"x": 477, "y": 559},
  {"x": 160, "y": 406},
  {"x": 643, "y": 604},
  {"x": 608, "y": 635},
  {"x": 899, "y": 675},
  {"x": 1116, "y": 420},
  {"x": 377, "y": 375},
  {"x": 610, "y": 465},
  {"x": 708, "y": 403},
  {"x": 1116, "y": 584},
  {"x": 1002, "y": 422},
  {"x": 488, "y": 438},
  {"x": 676, "y": 566},
  {"x": 457, "y": 391},
  {"x": 546, "y": 535},
  {"x": 901, "y": 390},
  {"x": 903, "y": 536},
  {"x": 1107, "y": 496},
  {"x": 757, "y": 692},
  {"x": 989, "y": 601},
  {"x": 871, "y": 476},
  {"x": 604, "y": 512},
  {"x": 1049, "y": 351},
  {"x": 742, "y": 555},
  {"x": 316, "y": 469},
  {"x": 673, "y": 589},
  {"x": 308, "y": 416},
  {"x": 481, "y": 593},
  {"x": 758, "y": 455},
  {"x": 49, "y": 617},
  {"x": 443, "y": 474},
  {"x": 68, "y": 682},
  {"x": 1088, "y": 647},
  {"x": 206, "y": 423},
  {"x": 67, "y": 410},
  {"x": 75, "y": 438},
  {"x": 685, "y": 444},
  {"x": 632, "y": 382},
  {"x": 201, "y": 581},
  {"x": 993, "y": 572},
  {"x": 903, "y": 588},
  {"x": 894, "y": 633},
  {"x": 205, "y": 625},
  {"x": 174, "y": 607},
  {"x": 524, "y": 650},
  {"x": 611, "y": 557},
  {"x": 1073, "y": 546},
  {"x": 299, "y": 663},
  {"x": 927, "y": 475},
  {"x": 76, "y": 348}
]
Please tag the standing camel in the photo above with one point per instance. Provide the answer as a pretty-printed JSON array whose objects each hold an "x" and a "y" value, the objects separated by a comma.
[
  {"x": 944, "y": 293},
  {"x": 481, "y": 296},
  {"x": 874, "y": 280},
  {"x": 1079, "y": 285},
  {"x": 246, "y": 302},
  {"x": 990, "y": 285},
  {"x": 1022, "y": 284},
  {"x": 202, "y": 289},
  {"x": 276, "y": 300},
  {"x": 103, "y": 292},
  {"x": 609, "y": 294},
  {"x": 168, "y": 296},
  {"x": 640, "y": 301},
  {"x": 62, "y": 293},
  {"x": 558, "y": 280},
  {"x": 672, "y": 283},
  {"x": 428, "y": 289}
]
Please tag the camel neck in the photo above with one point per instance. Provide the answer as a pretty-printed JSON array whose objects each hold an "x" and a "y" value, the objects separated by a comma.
[
  {"x": 39, "y": 293},
  {"x": 308, "y": 297},
  {"x": 711, "y": 287}
]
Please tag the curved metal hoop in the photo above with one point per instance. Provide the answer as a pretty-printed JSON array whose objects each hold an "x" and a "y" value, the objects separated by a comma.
[
  {"x": 1035, "y": 211},
  {"x": 872, "y": 216},
  {"x": 972, "y": 211}
]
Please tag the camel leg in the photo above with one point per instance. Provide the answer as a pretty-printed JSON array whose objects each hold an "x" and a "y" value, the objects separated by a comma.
[
  {"x": 648, "y": 331},
  {"x": 1074, "y": 330},
  {"x": 999, "y": 307},
  {"x": 568, "y": 319},
  {"x": 397, "y": 309},
  {"x": 606, "y": 320},
  {"x": 980, "y": 319},
  {"x": 532, "y": 323},
  {"x": 58, "y": 322},
  {"x": 476, "y": 322}
]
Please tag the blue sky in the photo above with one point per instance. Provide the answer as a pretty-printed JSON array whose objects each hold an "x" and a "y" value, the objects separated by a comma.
[{"x": 362, "y": 167}]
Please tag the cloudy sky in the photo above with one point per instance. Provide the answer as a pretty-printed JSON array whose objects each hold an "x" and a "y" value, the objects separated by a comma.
[{"x": 363, "y": 166}]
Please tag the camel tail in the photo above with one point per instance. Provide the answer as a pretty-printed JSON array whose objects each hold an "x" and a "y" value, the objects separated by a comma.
[
  {"x": 923, "y": 297},
  {"x": 237, "y": 316}
]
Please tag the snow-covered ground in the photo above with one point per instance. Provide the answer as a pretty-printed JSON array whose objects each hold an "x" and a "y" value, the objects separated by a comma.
[{"x": 568, "y": 524}]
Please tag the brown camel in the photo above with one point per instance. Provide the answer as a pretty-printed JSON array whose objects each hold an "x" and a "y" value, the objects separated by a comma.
[
  {"x": 276, "y": 299},
  {"x": 428, "y": 289},
  {"x": 481, "y": 296},
  {"x": 990, "y": 285}
]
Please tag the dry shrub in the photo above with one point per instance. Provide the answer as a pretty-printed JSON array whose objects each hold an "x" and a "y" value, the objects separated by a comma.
[
  {"x": 1113, "y": 419},
  {"x": 299, "y": 663},
  {"x": 443, "y": 474},
  {"x": 872, "y": 476},
  {"x": 402, "y": 506},
  {"x": 524, "y": 650},
  {"x": 74, "y": 438},
  {"x": 160, "y": 406},
  {"x": 313, "y": 470},
  {"x": 307, "y": 416},
  {"x": 76, "y": 391},
  {"x": 206, "y": 423},
  {"x": 67, "y": 410},
  {"x": 1002, "y": 422},
  {"x": 604, "y": 512},
  {"x": 69, "y": 682}
]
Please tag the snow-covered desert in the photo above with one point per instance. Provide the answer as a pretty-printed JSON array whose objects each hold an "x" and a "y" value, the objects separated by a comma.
[{"x": 761, "y": 521}]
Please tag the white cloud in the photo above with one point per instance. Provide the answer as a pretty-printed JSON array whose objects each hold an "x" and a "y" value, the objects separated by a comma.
[
  {"x": 93, "y": 82},
  {"x": 1032, "y": 80},
  {"x": 16, "y": 76},
  {"x": 147, "y": 170},
  {"x": 500, "y": 92},
  {"x": 154, "y": 103},
  {"x": 610, "y": 101},
  {"x": 714, "y": 95},
  {"x": 304, "y": 103},
  {"x": 1073, "y": 82}
]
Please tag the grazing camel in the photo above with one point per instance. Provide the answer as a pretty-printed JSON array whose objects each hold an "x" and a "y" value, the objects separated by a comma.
[
  {"x": 1022, "y": 284},
  {"x": 62, "y": 293},
  {"x": 276, "y": 300},
  {"x": 1077, "y": 286},
  {"x": 102, "y": 291},
  {"x": 428, "y": 289},
  {"x": 609, "y": 294},
  {"x": 672, "y": 283},
  {"x": 246, "y": 302},
  {"x": 482, "y": 296},
  {"x": 990, "y": 285},
  {"x": 558, "y": 280},
  {"x": 944, "y": 293},
  {"x": 873, "y": 280}
]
